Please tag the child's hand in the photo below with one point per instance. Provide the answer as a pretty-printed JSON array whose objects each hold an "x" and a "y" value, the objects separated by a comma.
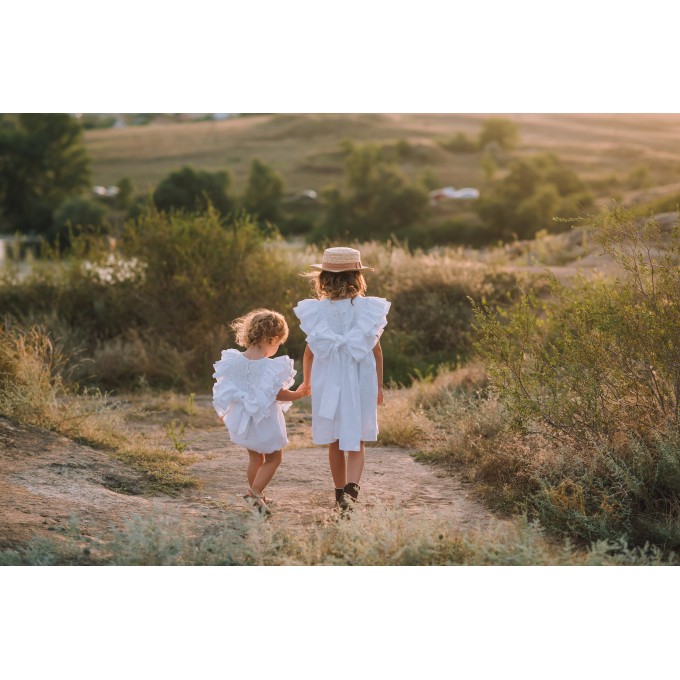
[
  {"x": 304, "y": 390},
  {"x": 381, "y": 396}
]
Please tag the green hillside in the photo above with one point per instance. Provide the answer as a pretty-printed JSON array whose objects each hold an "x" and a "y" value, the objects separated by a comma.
[{"x": 305, "y": 148}]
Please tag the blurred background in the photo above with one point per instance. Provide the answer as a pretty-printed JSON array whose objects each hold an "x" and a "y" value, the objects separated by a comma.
[{"x": 107, "y": 217}]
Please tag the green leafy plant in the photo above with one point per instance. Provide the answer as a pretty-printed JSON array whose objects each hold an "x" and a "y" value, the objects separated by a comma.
[{"x": 595, "y": 369}]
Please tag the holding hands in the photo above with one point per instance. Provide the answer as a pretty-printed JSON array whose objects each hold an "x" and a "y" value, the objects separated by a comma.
[
  {"x": 304, "y": 390},
  {"x": 293, "y": 395}
]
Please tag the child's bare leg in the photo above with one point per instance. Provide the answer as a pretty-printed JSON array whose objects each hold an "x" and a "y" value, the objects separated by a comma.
[
  {"x": 255, "y": 462},
  {"x": 336, "y": 459},
  {"x": 355, "y": 464},
  {"x": 266, "y": 472}
]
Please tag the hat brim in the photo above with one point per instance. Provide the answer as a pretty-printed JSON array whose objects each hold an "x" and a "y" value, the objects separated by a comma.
[{"x": 321, "y": 268}]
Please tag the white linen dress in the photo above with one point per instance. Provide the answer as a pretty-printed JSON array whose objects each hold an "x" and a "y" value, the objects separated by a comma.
[
  {"x": 342, "y": 335},
  {"x": 244, "y": 396}
]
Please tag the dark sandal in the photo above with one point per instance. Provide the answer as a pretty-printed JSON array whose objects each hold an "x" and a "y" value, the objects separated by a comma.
[
  {"x": 352, "y": 490},
  {"x": 341, "y": 501}
]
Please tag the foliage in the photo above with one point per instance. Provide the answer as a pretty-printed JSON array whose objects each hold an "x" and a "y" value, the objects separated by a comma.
[
  {"x": 33, "y": 392},
  {"x": 430, "y": 318},
  {"x": 193, "y": 191},
  {"x": 156, "y": 308},
  {"x": 489, "y": 166},
  {"x": 97, "y": 121},
  {"x": 372, "y": 537},
  {"x": 126, "y": 192},
  {"x": 380, "y": 201},
  {"x": 639, "y": 177},
  {"x": 503, "y": 131},
  {"x": 534, "y": 191},
  {"x": 263, "y": 192},
  {"x": 31, "y": 368},
  {"x": 663, "y": 204},
  {"x": 77, "y": 215},
  {"x": 460, "y": 143},
  {"x": 466, "y": 229},
  {"x": 548, "y": 356},
  {"x": 596, "y": 368},
  {"x": 42, "y": 163}
]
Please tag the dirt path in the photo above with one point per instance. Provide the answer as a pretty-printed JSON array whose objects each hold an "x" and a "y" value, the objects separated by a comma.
[
  {"x": 302, "y": 490},
  {"x": 45, "y": 479}
]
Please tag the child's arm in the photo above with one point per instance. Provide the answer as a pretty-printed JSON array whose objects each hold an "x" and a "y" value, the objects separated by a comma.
[
  {"x": 307, "y": 361},
  {"x": 377, "y": 352},
  {"x": 289, "y": 395}
]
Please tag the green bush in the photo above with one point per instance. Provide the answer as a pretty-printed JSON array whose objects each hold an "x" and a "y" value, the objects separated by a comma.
[
  {"x": 42, "y": 163},
  {"x": 78, "y": 215},
  {"x": 501, "y": 131},
  {"x": 430, "y": 319},
  {"x": 156, "y": 308},
  {"x": 263, "y": 193},
  {"x": 660, "y": 205},
  {"x": 97, "y": 121},
  {"x": 193, "y": 191},
  {"x": 465, "y": 230},
  {"x": 535, "y": 190},
  {"x": 596, "y": 367},
  {"x": 380, "y": 201},
  {"x": 460, "y": 143}
]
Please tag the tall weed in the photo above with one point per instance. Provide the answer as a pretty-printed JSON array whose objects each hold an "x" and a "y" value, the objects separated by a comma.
[{"x": 33, "y": 392}]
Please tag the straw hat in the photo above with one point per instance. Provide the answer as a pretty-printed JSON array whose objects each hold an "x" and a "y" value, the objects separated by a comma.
[{"x": 341, "y": 260}]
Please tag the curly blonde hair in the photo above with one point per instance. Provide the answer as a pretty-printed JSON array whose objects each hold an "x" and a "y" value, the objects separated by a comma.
[
  {"x": 260, "y": 325},
  {"x": 334, "y": 285}
]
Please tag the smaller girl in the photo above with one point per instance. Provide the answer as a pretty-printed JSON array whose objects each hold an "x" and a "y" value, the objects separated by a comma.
[{"x": 251, "y": 394}]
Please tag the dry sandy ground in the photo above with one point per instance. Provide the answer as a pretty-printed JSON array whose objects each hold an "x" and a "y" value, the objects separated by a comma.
[{"x": 45, "y": 479}]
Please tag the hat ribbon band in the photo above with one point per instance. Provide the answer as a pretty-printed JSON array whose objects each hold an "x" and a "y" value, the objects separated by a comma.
[{"x": 341, "y": 266}]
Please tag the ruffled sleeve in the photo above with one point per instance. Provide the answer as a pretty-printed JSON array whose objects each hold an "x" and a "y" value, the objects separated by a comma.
[
  {"x": 308, "y": 311},
  {"x": 226, "y": 394},
  {"x": 372, "y": 318},
  {"x": 280, "y": 375}
]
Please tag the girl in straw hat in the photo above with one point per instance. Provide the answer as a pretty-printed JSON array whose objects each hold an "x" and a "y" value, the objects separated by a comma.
[{"x": 343, "y": 365}]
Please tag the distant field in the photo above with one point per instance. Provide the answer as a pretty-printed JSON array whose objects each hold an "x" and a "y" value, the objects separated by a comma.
[{"x": 305, "y": 148}]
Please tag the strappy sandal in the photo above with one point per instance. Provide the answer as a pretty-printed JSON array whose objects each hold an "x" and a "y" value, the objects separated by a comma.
[{"x": 257, "y": 502}]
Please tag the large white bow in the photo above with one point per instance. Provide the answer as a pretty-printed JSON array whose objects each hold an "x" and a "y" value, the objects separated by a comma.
[
  {"x": 344, "y": 353},
  {"x": 239, "y": 405},
  {"x": 249, "y": 408}
]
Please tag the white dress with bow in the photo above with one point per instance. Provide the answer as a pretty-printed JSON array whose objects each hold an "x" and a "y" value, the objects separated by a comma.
[
  {"x": 244, "y": 396},
  {"x": 342, "y": 335}
]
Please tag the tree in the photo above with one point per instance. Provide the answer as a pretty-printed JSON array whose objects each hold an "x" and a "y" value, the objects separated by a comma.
[
  {"x": 460, "y": 143},
  {"x": 79, "y": 215},
  {"x": 501, "y": 130},
  {"x": 264, "y": 192},
  {"x": 42, "y": 163},
  {"x": 529, "y": 196},
  {"x": 380, "y": 200},
  {"x": 126, "y": 192},
  {"x": 193, "y": 190},
  {"x": 489, "y": 166}
]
